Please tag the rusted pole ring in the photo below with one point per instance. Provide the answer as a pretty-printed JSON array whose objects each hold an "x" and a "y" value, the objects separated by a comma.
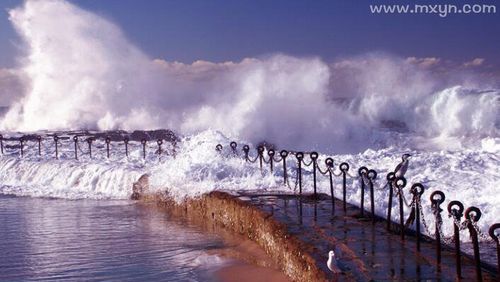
[
  {"x": 459, "y": 210},
  {"x": 260, "y": 150},
  {"x": 391, "y": 176},
  {"x": 284, "y": 153},
  {"x": 417, "y": 189},
  {"x": 159, "y": 142},
  {"x": 492, "y": 230},
  {"x": 56, "y": 138},
  {"x": 400, "y": 182},
  {"x": 437, "y": 198},
  {"x": 362, "y": 170},
  {"x": 299, "y": 156},
  {"x": 271, "y": 153},
  {"x": 314, "y": 156},
  {"x": 246, "y": 149},
  {"x": 473, "y": 214},
  {"x": 218, "y": 147},
  {"x": 372, "y": 174},
  {"x": 126, "y": 140},
  {"x": 108, "y": 140},
  {"x": 233, "y": 145},
  {"x": 344, "y": 167},
  {"x": 329, "y": 162}
]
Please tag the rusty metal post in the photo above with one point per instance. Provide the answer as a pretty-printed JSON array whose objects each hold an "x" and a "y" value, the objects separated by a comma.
[
  {"x": 457, "y": 214},
  {"x": 271, "y": 153},
  {"x": 89, "y": 142},
  {"x": 260, "y": 151},
  {"x": 1, "y": 143},
  {"x": 344, "y": 167},
  {"x": 159, "y": 142},
  {"x": 107, "y": 140},
  {"x": 473, "y": 214},
  {"x": 390, "y": 180},
  {"x": 126, "y": 140},
  {"x": 361, "y": 172},
  {"x": 314, "y": 158},
  {"x": 39, "y": 139},
  {"x": 246, "y": 150},
  {"x": 329, "y": 166},
  {"x": 372, "y": 175},
  {"x": 491, "y": 231},
  {"x": 400, "y": 183},
  {"x": 75, "y": 140},
  {"x": 55, "y": 141},
  {"x": 21, "y": 143},
  {"x": 300, "y": 157},
  {"x": 233, "y": 146},
  {"x": 284, "y": 154},
  {"x": 143, "y": 142},
  {"x": 437, "y": 198},
  {"x": 417, "y": 190}
]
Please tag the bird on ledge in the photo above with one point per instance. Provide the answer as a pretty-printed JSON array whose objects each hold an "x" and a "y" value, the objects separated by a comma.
[
  {"x": 402, "y": 167},
  {"x": 332, "y": 263}
]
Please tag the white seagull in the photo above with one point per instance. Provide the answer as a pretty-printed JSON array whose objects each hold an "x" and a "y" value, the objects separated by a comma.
[
  {"x": 402, "y": 167},
  {"x": 332, "y": 263}
]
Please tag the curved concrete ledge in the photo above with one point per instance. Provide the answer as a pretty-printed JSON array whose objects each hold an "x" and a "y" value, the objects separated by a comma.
[{"x": 236, "y": 215}]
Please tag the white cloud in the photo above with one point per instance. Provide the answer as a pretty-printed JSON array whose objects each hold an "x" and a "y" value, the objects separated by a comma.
[{"x": 474, "y": 63}]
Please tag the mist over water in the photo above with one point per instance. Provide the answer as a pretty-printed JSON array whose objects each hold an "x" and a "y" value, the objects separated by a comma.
[{"x": 82, "y": 72}]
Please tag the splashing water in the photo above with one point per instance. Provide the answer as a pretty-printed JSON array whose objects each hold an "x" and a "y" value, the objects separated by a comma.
[
  {"x": 368, "y": 109},
  {"x": 90, "y": 76}
]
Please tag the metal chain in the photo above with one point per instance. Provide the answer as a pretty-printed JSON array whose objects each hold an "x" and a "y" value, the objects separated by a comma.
[
  {"x": 250, "y": 160},
  {"x": 328, "y": 169},
  {"x": 264, "y": 160},
  {"x": 307, "y": 164},
  {"x": 483, "y": 236},
  {"x": 400, "y": 191}
]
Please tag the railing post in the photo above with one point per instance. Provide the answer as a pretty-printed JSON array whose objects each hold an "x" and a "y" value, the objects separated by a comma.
[
  {"x": 417, "y": 190},
  {"x": 75, "y": 140},
  {"x": 372, "y": 175},
  {"x": 89, "y": 142},
  {"x": 21, "y": 143},
  {"x": 390, "y": 179},
  {"x": 260, "y": 151},
  {"x": 1, "y": 143},
  {"x": 246, "y": 151},
  {"x": 437, "y": 198},
  {"x": 39, "y": 139},
  {"x": 143, "y": 142},
  {"x": 362, "y": 172},
  {"x": 107, "y": 140},
  {"x": 159, "y": 142},
  {"x": 314, "y": 158},
  {"x": 55, "y": 141},
  {"x": 457, "y": 216},
  {"x": 400, "y": 183},
  {"x": 472, "y": 219},
  {"x": 329, "y": 166},
  {"x": 126, "y": 140},
  {"x": 233, "y": 146},
  {"x": 271, "y": 153},
  {"x": 300, "y": 157},
  {"x": 491, "y": 231},
  {"x": 344, "y": 167},
  {"x": 284, "y": 154}
]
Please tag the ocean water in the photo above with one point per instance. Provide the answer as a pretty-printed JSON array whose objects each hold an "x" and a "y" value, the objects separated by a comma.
[{"x": 90, "y": 240}]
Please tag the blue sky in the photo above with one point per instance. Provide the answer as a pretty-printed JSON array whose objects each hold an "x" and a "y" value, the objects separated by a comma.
[{"x": 221, "y": 30}]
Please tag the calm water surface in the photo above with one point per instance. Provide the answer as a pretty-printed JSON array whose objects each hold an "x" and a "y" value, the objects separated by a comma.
[{"x": 88, "y": 240}]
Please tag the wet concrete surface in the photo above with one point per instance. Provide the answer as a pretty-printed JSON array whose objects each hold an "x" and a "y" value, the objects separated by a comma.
[{"x": 368, "y": 251}]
